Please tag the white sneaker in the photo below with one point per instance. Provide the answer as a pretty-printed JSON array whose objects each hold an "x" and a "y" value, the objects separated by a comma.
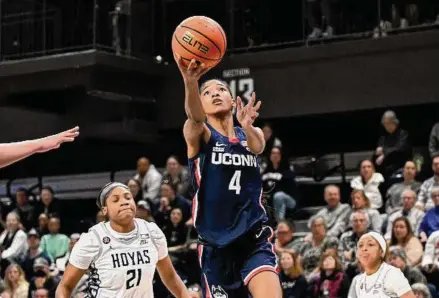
[
  {"x": 329, "y": 32},
  {"x": 316, "y": 33}
]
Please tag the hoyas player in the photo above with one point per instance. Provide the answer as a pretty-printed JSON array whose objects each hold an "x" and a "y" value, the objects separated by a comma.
[
  {"x": 235, "y": 252},
  {"x": 122, "y": 254}
]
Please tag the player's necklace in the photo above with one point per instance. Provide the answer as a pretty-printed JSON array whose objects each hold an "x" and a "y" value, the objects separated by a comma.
[{"x": 373, "y": 286}]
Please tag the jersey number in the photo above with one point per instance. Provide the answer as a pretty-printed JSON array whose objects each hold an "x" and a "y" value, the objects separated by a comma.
[
  {"x": 132, "y": 275},
  {"x": 235, "y": 182}
]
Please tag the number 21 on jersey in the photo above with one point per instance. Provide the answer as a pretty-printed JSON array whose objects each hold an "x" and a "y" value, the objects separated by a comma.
[
  {"x": 133, "y": 278},
  {"x": 235, "y": 182}
]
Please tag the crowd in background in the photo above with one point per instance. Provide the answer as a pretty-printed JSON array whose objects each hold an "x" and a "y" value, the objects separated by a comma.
[{"x": 385, "y": 197}]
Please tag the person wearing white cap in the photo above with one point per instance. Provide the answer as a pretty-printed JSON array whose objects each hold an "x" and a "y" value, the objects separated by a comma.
[{"x": 378, "y": 279}]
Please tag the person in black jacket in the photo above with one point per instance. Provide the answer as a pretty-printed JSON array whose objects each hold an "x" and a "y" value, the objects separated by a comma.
[
  {"x": 293, "y": 282},
  {"x": 278, "y": 179}
]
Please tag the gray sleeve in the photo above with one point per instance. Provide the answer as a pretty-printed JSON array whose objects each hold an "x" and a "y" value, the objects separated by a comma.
[
  {"x": 352, "y": 290},
  {"x": 340, "y": 225}
]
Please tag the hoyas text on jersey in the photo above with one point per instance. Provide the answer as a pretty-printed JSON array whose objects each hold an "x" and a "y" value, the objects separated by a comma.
[{"x": 130, "y": 258}]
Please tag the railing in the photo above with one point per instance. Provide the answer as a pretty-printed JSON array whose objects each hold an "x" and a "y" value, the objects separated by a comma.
[{"x": 143, "y": 28}]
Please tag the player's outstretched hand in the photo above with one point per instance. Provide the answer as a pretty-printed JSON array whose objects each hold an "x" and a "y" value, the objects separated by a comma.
[
  {"x": 54, "y": 141},
  {"x": 247, "y": 114},
  {"x": 193, "y": 71}
]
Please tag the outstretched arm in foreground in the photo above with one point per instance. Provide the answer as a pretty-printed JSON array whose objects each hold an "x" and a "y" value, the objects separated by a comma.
[{"x": 13, "y": 152}]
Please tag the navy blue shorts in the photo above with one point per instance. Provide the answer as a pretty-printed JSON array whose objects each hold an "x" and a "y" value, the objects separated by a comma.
[{"x": 225, "y": 272}]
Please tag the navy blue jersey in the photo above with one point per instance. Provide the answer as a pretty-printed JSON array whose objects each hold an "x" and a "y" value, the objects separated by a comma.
[{"x": 228, "y": 189}]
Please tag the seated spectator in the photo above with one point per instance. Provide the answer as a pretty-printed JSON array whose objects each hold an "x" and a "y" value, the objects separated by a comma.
[
  {"x": 421, "y": 290},
  {"x": 178, "y": 176},
  {"x": 150, "y": 179},
  {"x": 278, "y": 179},
  {"x": 361, "y": 202},
  {"x": 430, "y": 260},
  {"x": 413, "y": 214},
  {"x": 270, "y": 141},
  {"x": 61, "y": 262},
  {"x": 313, "y": 248},
  {"x": 43, "y": 279},
  {"x": 394, "y": 148},
  {"x": 43, "y": 224},
  {"x": 55, "y": 244},
  {"x": 48, "y": 203},
  {"x": 425, "y": 200},
  {"x": 403, "y": 237},
  {"x": 335, "y": 213},
  {"x": 369, "y": 182},
  {"x": 331, "y": 282},
  {"x": 398, "y": 258},
  {"x": 24, "y": 209},
  {"x": 430, "y": 223},
  {"x": 394, "y": 196},
  {"x": 144, "y": 211},
  {"x": 285, "y": 240},
  {"x": 176, "y": 231},
  {"x": 359, "y": 221},
  {"x": 195, "y": 291},
  {"x": 172, "y": 200},
  {"x": 433, "y": 144},
  {"x": 13, "y": 242},
  {"x": 294, "y": 284},
  {"x": 135, "y": 188},
  {"x": 41, "y": 293},
  {"x": 316, "y": 11},
  {"x": 34, "y": 252},
  {"x": 15, "y": 282}
]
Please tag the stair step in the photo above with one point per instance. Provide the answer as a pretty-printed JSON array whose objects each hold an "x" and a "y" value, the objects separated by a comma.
[
  {"x": 301, "y": 226},
  {"x": 312, "y": 209}
]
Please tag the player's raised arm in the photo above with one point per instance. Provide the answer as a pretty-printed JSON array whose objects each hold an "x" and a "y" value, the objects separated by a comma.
[
  {"x": 246, "y": 116},
  {"x": 13, "y": 152}
]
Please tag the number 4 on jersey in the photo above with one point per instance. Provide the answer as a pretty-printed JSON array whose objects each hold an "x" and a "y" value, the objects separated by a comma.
[{"x": 235, "y": 182}]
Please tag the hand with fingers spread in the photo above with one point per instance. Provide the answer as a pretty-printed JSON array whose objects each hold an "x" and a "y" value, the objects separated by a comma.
[
  {"x": 54, "y": 141},
  {"x": 247, "y": 114},
  {"x": 191, "y": 72}
]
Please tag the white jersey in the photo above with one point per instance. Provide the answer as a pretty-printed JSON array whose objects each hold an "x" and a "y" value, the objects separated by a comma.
[
  {"x": 120, "y": 265},
  {"x": 387, "y": 282}
]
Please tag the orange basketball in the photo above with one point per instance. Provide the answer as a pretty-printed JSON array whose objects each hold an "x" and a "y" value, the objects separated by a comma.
[{"x": 200, "y": 38}]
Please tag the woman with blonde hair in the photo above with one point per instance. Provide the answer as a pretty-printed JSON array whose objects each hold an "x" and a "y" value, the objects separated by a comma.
[
  {"x": 15, "y": 282},
  {"x": 332, "y": 282},
  {"x": 360, "y": 202},
  {"x": 379, "y": 279},
  {"x": 294, "y": 284}
]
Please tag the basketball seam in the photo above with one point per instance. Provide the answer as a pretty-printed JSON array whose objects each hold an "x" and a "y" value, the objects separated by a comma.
[
  {"x": 193, "y": 52},
  {"x": 205, "y": 36}
]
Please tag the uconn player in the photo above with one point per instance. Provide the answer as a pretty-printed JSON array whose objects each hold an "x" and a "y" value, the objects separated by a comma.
[
  {"x": 235, "y": 252},
  {"x": 13, "y": 152},
  {"x": 121, "y": 255}
]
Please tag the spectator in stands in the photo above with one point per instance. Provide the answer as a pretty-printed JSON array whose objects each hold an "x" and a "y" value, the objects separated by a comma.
[
  {"x": 43, "y": 224},
  {"x": 55, "y": 244},
  {"x": 359, "y": 221},
  {"x": 144, "y": 211},
  {"x": 13, "y": 242},
  {"x": 313, "y": 248},
  {"x": 393, "y": 148},
  {"x": 285, "y": 240},
  {"x": 61, "y": 262},
  {"x": 195, "y": 291},
  {"x": 135, "y": 188},
  {"x": 169, "y": 192},
  {"x": 150, "y": 179},
  {"x": 34, "y": 252},
  {"x": 421, "y": 290},
  {"x": 316, "y": 10},
  {"x": 430, "y": 223},
  {"x": 270, "y": 140},
  {"x": 294, "y": 284},
  {"x": 41, "y": 293},
  {"x": 369, "y": 182},
  {"x": 178, "y": 176},
  {"x": 425, "y": 200},
  {"x": 403, "y": 237},
  {"x": 278, "y": 179},
  {"x": 430, "y": 260},
  {"x": 398, "y": 258},
  {"x": 360, "y": 202},
  {"x": 433, "y": 144},
  {"x": 331, "y": 282},
  {"x": 394, "y": 198},
  {"x": 24, "y": 209},
  {"x": 176, "y": 231},
  {"x": 413, "y": 214},
  {"x": 15, "y": 282},
  {"x": 162, "y": 214},
  {"x": 335, "y": 213},
  {"x": 43, "y": 279},
  {"x": 48, "y": 203}
]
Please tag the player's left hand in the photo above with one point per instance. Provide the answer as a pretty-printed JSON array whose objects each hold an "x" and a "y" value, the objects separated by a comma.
[
  {"x": 54, "y": 141},
  {"x": 247, "y": 114}
]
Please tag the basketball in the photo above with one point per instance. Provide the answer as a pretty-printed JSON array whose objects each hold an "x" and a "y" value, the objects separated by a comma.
[{"x": 200, "y": 38}]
